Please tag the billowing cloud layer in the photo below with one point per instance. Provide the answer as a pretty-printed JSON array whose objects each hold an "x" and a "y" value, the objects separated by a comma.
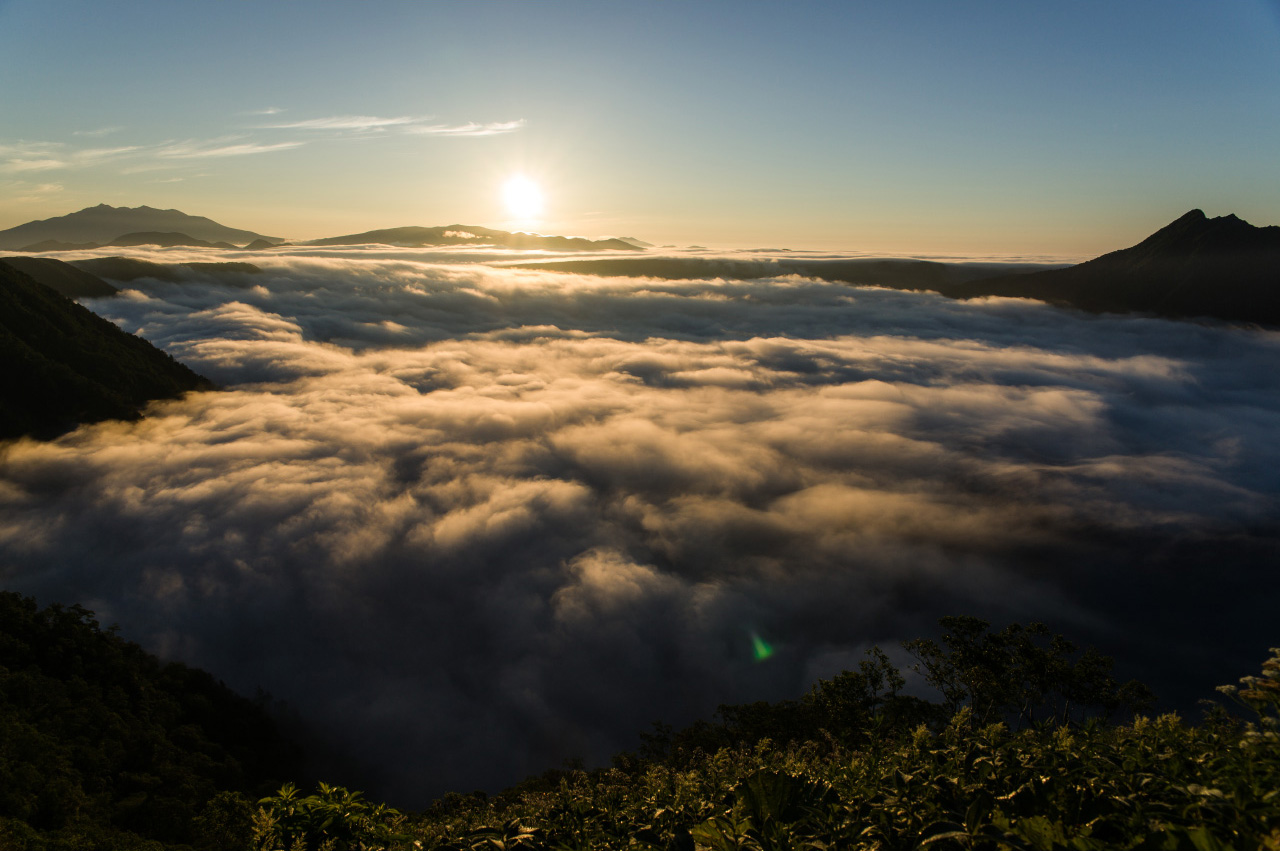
[{"x": 470, "y": 521}]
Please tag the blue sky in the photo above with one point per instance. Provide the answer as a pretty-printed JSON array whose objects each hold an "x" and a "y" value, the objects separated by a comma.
[{"x": 986, "y": 127}]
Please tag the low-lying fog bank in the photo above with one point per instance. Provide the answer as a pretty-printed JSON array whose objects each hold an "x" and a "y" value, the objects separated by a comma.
[{"x": 470, "y": 520}]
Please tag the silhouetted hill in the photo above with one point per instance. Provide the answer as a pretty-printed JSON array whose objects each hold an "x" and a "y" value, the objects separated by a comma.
[
  {"x": 259, "y": 244},
  {"x": 103, "y": 223},
  {"x": 56, "y": 245},
  {"x": 881, "y": 272},
  {"x": 1223, "y": 267},
  {"x": 164, "y": 240},
  {"x": 62, "y": 277},
  {"x": 417, "y": 237},
  {"x": 64, "y": 365},
  {"x": 127, "y": 269}
]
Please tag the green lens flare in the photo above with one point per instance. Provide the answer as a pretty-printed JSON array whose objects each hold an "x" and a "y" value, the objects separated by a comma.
[{"x": 760, "y": 648}]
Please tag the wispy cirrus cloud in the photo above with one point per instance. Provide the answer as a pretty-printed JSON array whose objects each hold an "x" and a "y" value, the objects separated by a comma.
[
  {"x": 90, "y": 156},
  {"x": 100, "y": 131},
  {"x": 20, "y": 164},
  {"x": 38, "y": 156},
  {"x": 345, "y": 122},
  {"x": 29, "y": 156},
  {"x": 47, "y": 156},
  {"x": 21, "y": 191},
  {"x": 225, "y": 147},
  {"x": 493, "y": 128},
  {"x": 418, "y": 125}
]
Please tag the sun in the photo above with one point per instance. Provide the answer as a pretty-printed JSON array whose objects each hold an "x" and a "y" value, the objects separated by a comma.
[{"x": 523, "y": 197}]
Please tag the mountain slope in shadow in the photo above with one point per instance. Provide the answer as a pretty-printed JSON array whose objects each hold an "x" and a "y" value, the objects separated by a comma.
[
  {"x": 64, "y": 278},
  {"x": 1223, "y": 268},
  {"x": 126, "y": 269},
  {"x": 65, "y": 365}
]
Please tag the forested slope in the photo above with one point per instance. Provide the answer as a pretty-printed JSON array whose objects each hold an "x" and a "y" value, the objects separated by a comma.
[
  {"x": 102, "y": 745},
  {"x": 65, "y": 365}
]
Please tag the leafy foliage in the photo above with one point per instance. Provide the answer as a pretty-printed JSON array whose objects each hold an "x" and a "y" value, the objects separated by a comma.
[
  {"x": 1021, "y": 675},
  {"x": 104, "y": 746},
  {"x": 1155, "y": 784},
  {"x": 332, "y": 818},
  {"x": 1020, "y": 672},
  {"x": 1021, "y": 754}
]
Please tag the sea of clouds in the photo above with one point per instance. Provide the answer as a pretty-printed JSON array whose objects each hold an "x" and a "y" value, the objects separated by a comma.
[{"x": 469, "y": 521}]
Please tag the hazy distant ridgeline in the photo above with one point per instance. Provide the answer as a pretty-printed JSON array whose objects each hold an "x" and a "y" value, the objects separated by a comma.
[
  {"x": 473, "y": 235},
  {"x": 1221, "y": 268},
  {"x": 104, "y": 224},
  {"x": 941, "y": 277},
  {"x": 570, "y": 503}
]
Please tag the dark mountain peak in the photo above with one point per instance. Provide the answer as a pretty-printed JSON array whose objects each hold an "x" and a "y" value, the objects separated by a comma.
[
  {"x": 103, "y": 223},
  {"x": 1196, "y": 234},
  {"x": 1222, "y": 267}
]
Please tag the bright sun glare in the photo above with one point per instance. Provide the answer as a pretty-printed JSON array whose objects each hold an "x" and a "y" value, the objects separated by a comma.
[{"x": 523, "y": 197}]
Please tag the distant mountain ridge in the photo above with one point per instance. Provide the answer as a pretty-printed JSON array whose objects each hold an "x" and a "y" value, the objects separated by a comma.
[
  {"x": 1220, "y": 268},
  {"x": 897, "y": 273},
  {"x": 165, "y": 240},
  {"x": 418, "y": 237},
  {"x": 84, "y": 278},
  {"x": 126, "y": 269},
  {"x": 1223, "y": 268},
  {"x": 128, "y": 240},
  {"x": 104, "y": 224}
]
